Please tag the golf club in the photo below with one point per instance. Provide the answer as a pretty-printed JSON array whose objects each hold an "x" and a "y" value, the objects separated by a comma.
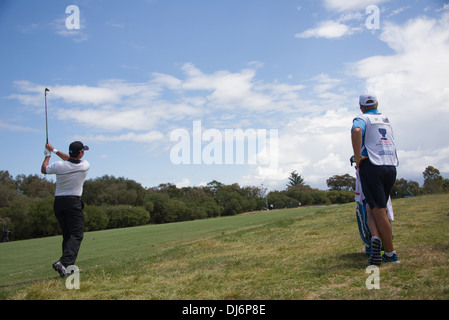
[{"x": 46, "y": 121}]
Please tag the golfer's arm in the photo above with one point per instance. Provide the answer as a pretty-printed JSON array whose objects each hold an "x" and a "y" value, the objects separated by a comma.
[
  {"x": 45, "y": 165},
  {"x": 356, "y": 137},
  {"x": 62, "y": 155}
]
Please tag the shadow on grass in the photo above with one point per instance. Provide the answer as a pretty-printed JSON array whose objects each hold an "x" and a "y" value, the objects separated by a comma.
[
  {"x": 339, "y": 264},
  {"x": 353, "y": 260}
]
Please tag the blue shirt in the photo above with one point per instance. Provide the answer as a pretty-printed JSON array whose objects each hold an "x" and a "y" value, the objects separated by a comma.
[{"x": 360, "y": 123}]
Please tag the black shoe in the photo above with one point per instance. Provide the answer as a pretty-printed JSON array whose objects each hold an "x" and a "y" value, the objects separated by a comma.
[
  {"x": 376, "y": 256},
  {"x": 60, "y": 268}
]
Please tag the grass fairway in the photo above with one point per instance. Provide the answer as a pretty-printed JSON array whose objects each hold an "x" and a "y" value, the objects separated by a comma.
[{"x": 291, "y": 254}]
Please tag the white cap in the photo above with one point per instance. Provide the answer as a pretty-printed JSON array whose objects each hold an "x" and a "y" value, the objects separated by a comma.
[{"x": 367, "y": 99}]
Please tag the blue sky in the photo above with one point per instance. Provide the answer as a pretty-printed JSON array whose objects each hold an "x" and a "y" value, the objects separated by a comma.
[{"x": 137, "y": 71}]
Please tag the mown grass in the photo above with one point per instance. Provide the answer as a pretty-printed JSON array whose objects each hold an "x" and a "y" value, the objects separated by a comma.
[{"x": 292, "y": 254}]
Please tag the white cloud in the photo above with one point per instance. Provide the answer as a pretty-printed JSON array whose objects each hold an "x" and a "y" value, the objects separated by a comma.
[
  {"x": 115, "y": 118},
  {"x": 413, "y": 89},
  {"x": 84, "y": 94},
  {"x": 325, "y": 83},
  {"x": 12, "y": 127},
  {"x": 226, "y": 90},
  {"x": 349, "y": 11},
  {"x": 316, "y": 146},
  {"x": 350, "y": 5},
  {"x": 148, "y": 137},
  {"x": 312, "y": 117},
  {"x": 415, "y": 161},
  {"x": 72, "y": 94},
  {"x": 185, "y": 182},
  {"x": 115, "y": 110},
  {"x": 77, "y": 35},
  {"x": 398, "y": 11},
  {"x": 165, "y": 102},
  {"x": 327, "y": 29},
  {"x": 28, "y": 100}
]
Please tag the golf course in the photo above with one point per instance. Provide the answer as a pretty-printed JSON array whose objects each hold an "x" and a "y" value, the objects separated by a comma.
[{"x": 306, "y": 253}]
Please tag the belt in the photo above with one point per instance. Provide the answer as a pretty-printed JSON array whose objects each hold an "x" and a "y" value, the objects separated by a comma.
[{"x": 68, "y": 197}]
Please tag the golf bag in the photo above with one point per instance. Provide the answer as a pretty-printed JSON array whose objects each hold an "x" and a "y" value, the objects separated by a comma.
[{"x": 361, "y": 213}]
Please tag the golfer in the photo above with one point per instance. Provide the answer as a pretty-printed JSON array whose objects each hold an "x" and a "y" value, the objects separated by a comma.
[
  {"x": 376, "y": 158},
  {"x": 68, "y": 207}
]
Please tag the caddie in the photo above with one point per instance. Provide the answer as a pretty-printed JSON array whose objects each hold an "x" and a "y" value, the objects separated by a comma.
[{"x": 376, "y": 158}]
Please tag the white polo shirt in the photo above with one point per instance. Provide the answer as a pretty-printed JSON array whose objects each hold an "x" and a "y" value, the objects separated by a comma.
[{"x": 69, "y": 177}]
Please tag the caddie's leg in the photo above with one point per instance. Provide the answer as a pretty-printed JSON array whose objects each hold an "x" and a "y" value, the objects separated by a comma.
[
  {"x": 384, "y": 228},
  {"x": 371, "y": 223}
]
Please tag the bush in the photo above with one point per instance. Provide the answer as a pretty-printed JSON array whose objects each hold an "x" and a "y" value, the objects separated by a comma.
[
  {"x": 109, "y": 190},
  {"x": 19, "y": 218},
  {"x": 211, "y": 207},
  {"x": 172, "y": 211},
  {"x": 123, "y": 216},
  {"x": 232, "y": 207},
  {"x": 42, "y": 218},
  {"x": 279, "y": 200},
  {"x": 30, "y": 218},
  {"x": 340, "y": 196},
  {"x": 95, "y": 218}
]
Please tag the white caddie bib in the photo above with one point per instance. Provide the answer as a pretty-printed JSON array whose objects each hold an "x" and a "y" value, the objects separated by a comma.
[{"x": 379, "y": 140}]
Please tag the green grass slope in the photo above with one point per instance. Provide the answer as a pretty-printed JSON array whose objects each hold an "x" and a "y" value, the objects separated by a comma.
[{"x": 304, "y": 253}]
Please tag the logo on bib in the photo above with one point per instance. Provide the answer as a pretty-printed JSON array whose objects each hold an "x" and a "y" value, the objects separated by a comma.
[{"x": 383, "y": 132}]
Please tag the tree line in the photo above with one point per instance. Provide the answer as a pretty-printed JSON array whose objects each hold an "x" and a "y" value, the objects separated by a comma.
[{"x": 26, "y": 202}]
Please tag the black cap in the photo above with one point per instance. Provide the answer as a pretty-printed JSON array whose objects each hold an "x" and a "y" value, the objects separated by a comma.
[{"x": 76, "y": 147}]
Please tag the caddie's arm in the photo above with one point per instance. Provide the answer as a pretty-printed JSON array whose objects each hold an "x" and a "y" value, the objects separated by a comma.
[
  {"x": 62, "y": 155},
  {"x": 356, "y": 137}
]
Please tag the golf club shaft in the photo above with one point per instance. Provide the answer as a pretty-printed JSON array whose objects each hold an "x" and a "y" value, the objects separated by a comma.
[{"x": 46, "y": 120}]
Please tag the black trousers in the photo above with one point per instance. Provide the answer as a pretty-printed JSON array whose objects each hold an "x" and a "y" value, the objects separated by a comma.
[{"x": 69, "y": 212}]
